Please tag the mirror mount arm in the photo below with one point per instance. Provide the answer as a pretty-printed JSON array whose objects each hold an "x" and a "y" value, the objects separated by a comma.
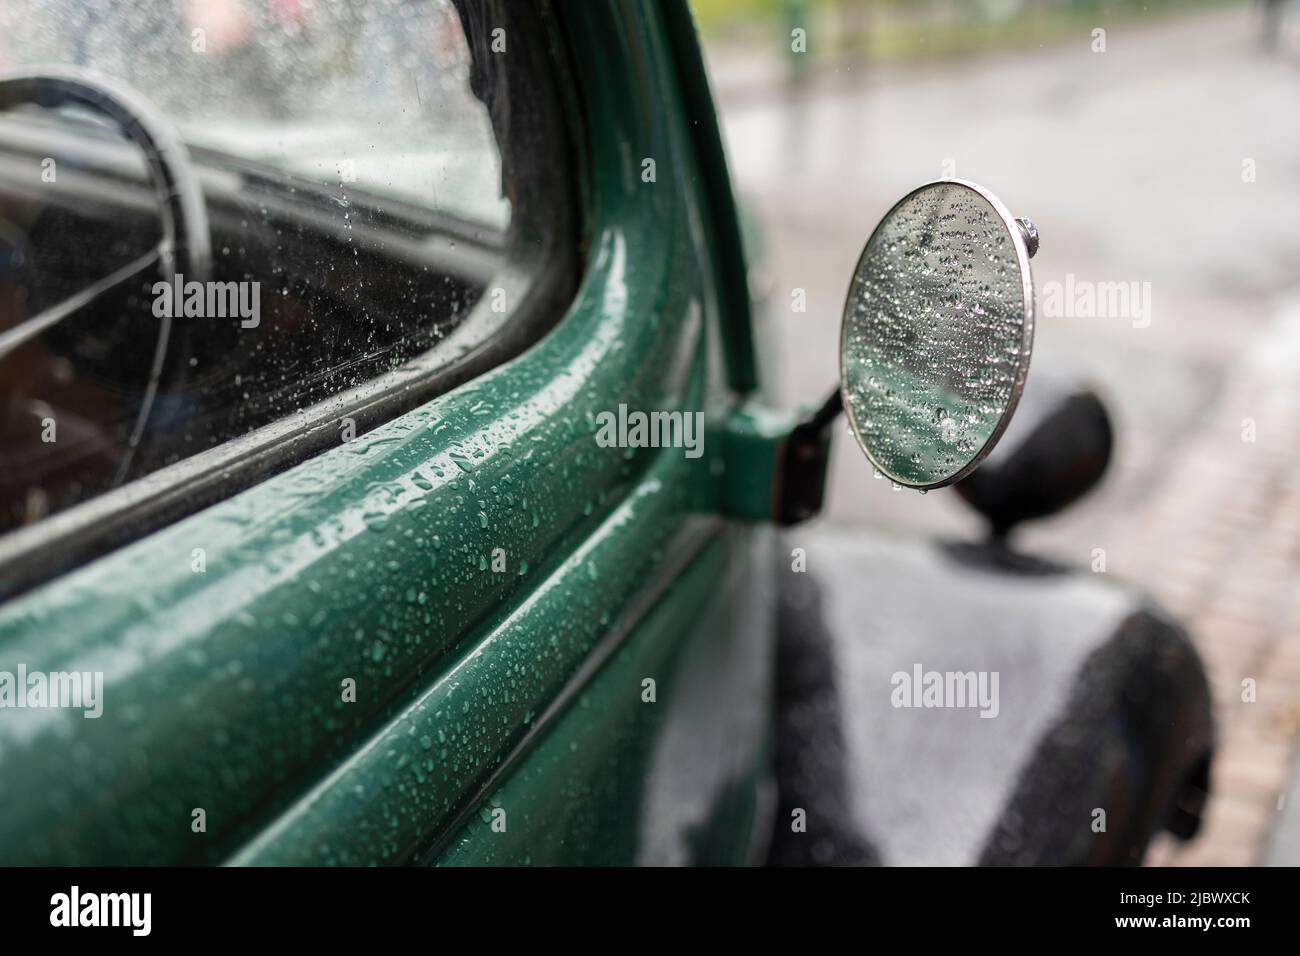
[
  {"x": 803, "y": 461},
  {"x": 775, "y": 462}
]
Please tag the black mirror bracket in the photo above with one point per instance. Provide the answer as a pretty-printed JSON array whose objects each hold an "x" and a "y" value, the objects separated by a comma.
[{"x": 803, "y": 461}]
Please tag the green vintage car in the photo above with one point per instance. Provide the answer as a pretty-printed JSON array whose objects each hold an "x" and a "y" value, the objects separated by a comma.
[
  {"x": 386, "y": 477},
  {"x": 364, "y": 577}
]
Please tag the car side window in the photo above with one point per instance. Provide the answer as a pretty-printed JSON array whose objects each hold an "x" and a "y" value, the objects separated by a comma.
[{"x": 355, "y": 201}]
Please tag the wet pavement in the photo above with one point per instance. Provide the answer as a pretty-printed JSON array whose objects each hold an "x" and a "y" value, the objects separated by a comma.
[{"x": 1169, "y": 163}]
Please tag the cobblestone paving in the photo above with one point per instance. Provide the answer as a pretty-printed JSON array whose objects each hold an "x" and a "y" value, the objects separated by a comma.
[{"x": 1219, "y": 545}]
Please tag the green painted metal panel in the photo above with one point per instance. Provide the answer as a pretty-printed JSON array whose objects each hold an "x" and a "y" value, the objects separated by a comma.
[
  {"x": 373, "y": 563},
  {"x": 723, "y": 221},
  {"x": 678, "y": 779}
]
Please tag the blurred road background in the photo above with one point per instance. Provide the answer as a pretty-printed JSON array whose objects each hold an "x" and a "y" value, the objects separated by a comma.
[{"x": 1164, "y": 151}]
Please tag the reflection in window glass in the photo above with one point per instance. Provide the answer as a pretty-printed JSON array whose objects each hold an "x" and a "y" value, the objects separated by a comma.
[
  {"x": 329, "y": 89},
  {"x": 353, "y": 187}
]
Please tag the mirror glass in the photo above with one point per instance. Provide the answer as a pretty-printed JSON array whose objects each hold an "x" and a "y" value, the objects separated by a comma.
[{"x": 936, "y": 335}]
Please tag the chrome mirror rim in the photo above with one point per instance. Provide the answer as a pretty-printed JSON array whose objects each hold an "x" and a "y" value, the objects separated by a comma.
[{"x": 1018, "y": 235}]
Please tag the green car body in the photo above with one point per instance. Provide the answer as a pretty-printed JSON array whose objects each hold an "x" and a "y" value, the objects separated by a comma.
[{"x": 353, "y": 680}]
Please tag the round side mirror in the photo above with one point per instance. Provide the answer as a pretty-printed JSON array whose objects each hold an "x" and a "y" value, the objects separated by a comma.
[{"x": 937, "y": 332}]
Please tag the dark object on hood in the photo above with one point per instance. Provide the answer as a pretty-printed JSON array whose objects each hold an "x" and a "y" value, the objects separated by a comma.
[{"x": 1055, "y": 451}]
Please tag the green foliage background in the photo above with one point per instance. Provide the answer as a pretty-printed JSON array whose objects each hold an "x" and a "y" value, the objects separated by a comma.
[{"x": 906, "y": 29}]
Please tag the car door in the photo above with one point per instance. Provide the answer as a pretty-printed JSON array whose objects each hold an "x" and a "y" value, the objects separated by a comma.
[{"x": 434, "y": 619}]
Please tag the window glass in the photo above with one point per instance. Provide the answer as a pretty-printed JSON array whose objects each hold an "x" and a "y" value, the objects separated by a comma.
[{"x": 352, "y": 184}]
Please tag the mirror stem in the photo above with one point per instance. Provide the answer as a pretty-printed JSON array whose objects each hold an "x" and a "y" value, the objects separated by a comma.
[
  {"x": 803, "y": 462},
  {"x": 828, "y": 412}
]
